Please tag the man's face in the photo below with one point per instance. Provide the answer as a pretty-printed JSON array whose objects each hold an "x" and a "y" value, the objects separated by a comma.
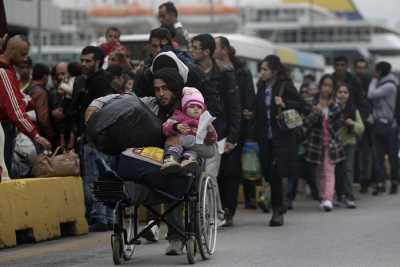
[
  {"x": 88, "y": 64},
  {"x": 112, "y": 36},
  {"x": 117, "y": 83},
  {"x": 25, "y": 71},
  {"x": 219, "y": 52},
  {"x": 155, "y": 46},
  {"x": 361, "y": 68},
  {"x": 164, "y": 96},
  {"x": 340, "y": 67},
  {"x": 45, "y": 80},
  {"x": 197, "y": 53},
  {"x": 165, "y": 18},
  {"x": 20, "y": 54},
  {"x": 61, "y": 72}
]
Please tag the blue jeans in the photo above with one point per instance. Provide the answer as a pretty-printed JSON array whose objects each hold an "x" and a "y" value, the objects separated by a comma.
[{"x": 96, "y": 212}]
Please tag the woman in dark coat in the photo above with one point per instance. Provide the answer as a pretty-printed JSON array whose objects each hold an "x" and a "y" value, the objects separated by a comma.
[{"x": 278, "y": 150}]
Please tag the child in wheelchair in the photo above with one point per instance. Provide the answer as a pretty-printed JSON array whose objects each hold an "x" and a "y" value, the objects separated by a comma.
[{"x": 180, "y": 157}]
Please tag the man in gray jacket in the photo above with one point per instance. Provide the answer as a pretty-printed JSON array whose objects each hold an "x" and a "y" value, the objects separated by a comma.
[{"x": 383, "y": 94}]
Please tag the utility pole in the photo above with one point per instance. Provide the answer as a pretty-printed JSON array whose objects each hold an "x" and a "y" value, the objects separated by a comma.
[
  {"x": 39, "y": 28},
  {"x": 212, "y": 18},
  {"x": 311, "y": 23}
]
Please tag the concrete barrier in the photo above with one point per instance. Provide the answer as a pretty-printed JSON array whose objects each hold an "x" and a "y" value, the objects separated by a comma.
[{"x": 43, "y": 208}]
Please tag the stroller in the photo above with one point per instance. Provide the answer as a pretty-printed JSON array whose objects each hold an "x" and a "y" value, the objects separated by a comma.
[{"x": 119, "y": 188}]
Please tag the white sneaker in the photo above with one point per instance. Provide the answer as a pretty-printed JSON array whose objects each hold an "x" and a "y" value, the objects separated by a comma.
[
  {"x": 175, "y": 248},
  {"x": 220, "y": 222},
  {"x": 326, "y": 205},
  {"x": 153, "y": 235}
]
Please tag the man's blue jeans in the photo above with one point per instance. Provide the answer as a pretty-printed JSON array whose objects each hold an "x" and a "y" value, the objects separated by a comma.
[{"x": 96, "y": 212}]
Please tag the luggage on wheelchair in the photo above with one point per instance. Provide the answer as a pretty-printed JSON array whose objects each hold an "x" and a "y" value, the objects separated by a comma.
[
  {"x": 125, "y": 121},
  {"x": 147, "y": 172}
]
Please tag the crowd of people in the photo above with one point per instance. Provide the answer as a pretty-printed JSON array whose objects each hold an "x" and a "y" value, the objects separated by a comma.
[{"x": 349, "y": 119}]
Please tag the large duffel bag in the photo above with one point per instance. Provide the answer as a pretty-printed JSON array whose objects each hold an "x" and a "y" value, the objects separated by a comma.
[
  {"x": 142, "y": 166},
  {"x": 124, "y": 121}
]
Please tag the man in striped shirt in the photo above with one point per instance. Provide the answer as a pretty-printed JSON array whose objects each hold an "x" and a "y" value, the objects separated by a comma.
[{"x": 12, "y": 106}]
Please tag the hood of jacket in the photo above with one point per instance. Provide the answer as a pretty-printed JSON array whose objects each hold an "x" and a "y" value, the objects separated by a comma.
[
  {"x": 167, "y": 58},
  {"x": 390, "y": 77}
]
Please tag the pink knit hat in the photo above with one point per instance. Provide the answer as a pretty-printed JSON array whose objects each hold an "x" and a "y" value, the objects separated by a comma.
[{"x": 191, "y": 95}]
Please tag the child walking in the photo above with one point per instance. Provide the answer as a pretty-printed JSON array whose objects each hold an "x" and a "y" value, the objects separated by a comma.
[
  {"x": 181, "y": 130},
  {"x": 323, "y": 148},
  {"x": 352, "y": 129}
]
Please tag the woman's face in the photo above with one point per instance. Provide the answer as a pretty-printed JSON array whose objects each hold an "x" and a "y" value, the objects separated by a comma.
[
  {"x": 265, "y": 72},
  {"x": 343, "y": 94},
  {"x": 327, "y": 87}
]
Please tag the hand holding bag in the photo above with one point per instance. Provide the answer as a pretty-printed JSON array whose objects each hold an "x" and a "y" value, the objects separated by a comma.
[
  {"x": 64, "y": 164},
  {"x": 288, "y": 119}
]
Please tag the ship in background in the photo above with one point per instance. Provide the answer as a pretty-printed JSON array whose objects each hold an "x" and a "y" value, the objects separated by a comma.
[{"x": 327, "y": 27}]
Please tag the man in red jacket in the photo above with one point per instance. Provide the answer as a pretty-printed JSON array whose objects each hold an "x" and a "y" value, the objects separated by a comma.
[{"x": 12, "y": 106}]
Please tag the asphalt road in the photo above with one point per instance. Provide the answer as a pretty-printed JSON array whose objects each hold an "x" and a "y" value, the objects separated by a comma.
[{"x": 368, "y": 236}]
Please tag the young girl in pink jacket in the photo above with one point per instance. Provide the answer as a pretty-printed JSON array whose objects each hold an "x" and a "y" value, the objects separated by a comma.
[{"x": 183, "y": 124}]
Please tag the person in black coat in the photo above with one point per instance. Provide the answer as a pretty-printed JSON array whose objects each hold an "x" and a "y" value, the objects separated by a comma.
[{"x": 278, "y": 147}]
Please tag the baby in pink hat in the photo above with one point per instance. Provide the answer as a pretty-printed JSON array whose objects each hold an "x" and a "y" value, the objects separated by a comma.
[{"x": 183, "y": 124}]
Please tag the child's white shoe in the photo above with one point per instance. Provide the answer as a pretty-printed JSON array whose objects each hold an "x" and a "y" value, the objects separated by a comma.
[{"x": 326, "y": 205}]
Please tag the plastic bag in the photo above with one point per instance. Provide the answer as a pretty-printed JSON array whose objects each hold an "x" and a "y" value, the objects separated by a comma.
[
  {"x": 251, "y": 168},
  {"x": 23, "y": 156}
]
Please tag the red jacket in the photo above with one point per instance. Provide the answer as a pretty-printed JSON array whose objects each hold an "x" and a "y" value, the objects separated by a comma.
[{"x": 12, "y": 107}]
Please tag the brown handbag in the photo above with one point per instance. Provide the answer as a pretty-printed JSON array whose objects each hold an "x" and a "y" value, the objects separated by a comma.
[{"x": 64, "y": 164}]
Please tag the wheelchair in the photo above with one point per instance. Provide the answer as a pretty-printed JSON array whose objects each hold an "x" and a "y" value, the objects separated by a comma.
[{"x": 199, "y": 234}]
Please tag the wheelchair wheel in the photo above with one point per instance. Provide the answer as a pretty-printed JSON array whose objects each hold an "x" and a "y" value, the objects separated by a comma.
[
  {"x": 123, "y": 234},
  {"x": 191, "y": 250},
  {"x": 116, "y": 244},
  {"x": 206, "y": 226}
]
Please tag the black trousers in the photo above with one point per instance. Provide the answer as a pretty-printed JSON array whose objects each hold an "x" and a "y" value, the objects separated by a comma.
[
  {"x": 387, "y": 144},
  {"x": 10, "y": 133},
  {"x": 270, "y": 173},
  {"x": 230, "y": 177}
]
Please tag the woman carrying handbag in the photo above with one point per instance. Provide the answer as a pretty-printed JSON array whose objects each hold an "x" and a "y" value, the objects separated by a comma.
[{"x": 278, "y": 146}]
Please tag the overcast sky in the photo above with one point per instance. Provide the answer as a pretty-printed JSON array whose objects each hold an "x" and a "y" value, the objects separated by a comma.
[{"x": 383, "y": 10}]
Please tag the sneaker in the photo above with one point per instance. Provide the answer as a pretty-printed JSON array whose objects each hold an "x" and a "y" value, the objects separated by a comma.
[
  {"x": 153, "y": 234},
  {"x": 339, "y": 202},
  {"x": 350, "y": 204},
  {"x": 220, "y": 218},
  {"x": 276, "y": 219},
  {"x": 378, "y": 189},
  {"x": 189, "y": 165},
  {"x": 170, "y": 165},
  {"x": 228, "y": 218},
  {"x": 174, "y": 248},
  {"x": 326, "y": 205}
]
